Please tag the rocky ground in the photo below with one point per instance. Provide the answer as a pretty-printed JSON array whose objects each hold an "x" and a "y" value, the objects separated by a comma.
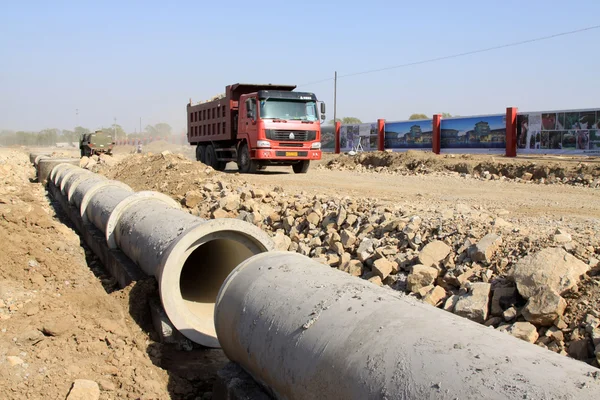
[{"x": 515, "y": 253}]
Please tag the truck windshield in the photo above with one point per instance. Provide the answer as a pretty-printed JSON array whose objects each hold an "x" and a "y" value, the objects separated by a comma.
[{"x": 288, "y": 109}]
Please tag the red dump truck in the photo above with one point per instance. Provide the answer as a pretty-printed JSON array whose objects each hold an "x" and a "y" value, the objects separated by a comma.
[{"x": 257, "y": 126}]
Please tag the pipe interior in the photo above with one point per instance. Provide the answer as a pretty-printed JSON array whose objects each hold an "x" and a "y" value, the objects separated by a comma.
[{"x": 205, "y": 270}]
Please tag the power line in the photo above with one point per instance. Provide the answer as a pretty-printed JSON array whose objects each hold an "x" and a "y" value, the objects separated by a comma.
[{"x": 430, "y": 60}]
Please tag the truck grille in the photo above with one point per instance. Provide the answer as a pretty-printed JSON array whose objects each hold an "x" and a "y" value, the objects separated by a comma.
[
  {"x": 291, "y": 145},
  {"x": 288, "y": 136}
]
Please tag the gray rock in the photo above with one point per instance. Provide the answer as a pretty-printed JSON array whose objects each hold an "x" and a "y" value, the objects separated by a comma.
[
  {"x": 524, "y": 331},
  {"x": 474, "y": 305},
  {"x": 282, "y": 242},
  {"x": 485, "y": 248},
  {"x": 510, "y": 314},
  {"x": 341, "y": 217},
  {"x": 578, "y": 349},
  {"x": 313, "y": 218},
  {"x": 503, "y": 298},
  {"x": 421, "y": 276},
  {"x": 365, "y": 249},
  {"x": 84, "y": 389},
  {"x": 544, "y": 307},
  {"x": 433, "y": 253},
  {"x": 552, "y": 267}
]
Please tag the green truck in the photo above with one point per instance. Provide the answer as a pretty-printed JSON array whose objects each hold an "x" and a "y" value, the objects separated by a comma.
[{"x": 95, "y": 143}]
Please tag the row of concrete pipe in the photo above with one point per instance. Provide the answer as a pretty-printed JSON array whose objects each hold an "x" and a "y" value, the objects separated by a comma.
[{"x": 305, "y": 331}]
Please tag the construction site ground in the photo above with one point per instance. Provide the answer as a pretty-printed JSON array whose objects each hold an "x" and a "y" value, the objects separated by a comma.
[{"x": 62, "y": 318}]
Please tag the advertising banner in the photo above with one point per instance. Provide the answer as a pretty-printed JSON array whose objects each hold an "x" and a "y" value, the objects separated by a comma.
[
  {"x": 328, "y": 138},
  {"x": 358, "y": 137},
  {"x": 406, "y": 135},
  {"x": 486, "y": 133},
  {"x": 559, "y": 132}
]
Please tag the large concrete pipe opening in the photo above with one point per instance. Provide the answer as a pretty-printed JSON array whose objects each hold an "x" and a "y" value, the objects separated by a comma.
[
  {"x": 205, "y": 270},
  {"x": 189, "y": 256},
  {"x": 307, "y": 331}
]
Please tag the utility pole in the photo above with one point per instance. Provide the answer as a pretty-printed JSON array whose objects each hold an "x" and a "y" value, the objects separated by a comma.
[{"x": 335, "y": 98}]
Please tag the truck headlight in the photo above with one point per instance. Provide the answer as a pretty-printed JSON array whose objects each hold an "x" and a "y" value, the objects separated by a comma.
[
  {"x": 263, "y": 144},
  {"x": 316, "y": 145}
]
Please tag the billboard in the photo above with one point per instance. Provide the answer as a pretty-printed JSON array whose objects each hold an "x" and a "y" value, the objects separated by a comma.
[
  {"x": 356, "y": 136},
  {"x": 486, "y": 133},
  {"x": 328, "y": 138},
  {"x": 405, "y": 135},
  {"x": 559, "y": 132}
]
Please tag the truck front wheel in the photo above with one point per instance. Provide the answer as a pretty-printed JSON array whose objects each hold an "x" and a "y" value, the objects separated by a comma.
[
  {"x": 301, "y": 167},
  {"x": 245, "y": 163}
]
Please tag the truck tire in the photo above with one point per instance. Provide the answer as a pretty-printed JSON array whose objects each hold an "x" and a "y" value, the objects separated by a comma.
[
  {"x": 210, "y": 155},
  {"x": 201, "y": 154},
  {"x": 246, "y": 165},
  {"x": 301, "y": 167}
]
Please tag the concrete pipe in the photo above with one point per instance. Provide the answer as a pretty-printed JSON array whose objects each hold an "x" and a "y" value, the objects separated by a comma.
[
  {"x": 63, "y": 173},
  {"x": 46, "y": 166},
  {"x": 307, "y": 331},
  {"x": 40, "y": 157},
  {"x": 71, "y": 177},
  {"x": 60, "y": 167},
  {"x": 33, "y": 155},
  {"x": 86, "y": 191},
  {"x": 89, "y": 179},
  {"x": 100, "y": 202},
  {"x": 190, "y": 258}
]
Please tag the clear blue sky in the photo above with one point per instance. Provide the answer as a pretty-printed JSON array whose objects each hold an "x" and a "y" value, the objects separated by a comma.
[{"x": 131, "y": 59}]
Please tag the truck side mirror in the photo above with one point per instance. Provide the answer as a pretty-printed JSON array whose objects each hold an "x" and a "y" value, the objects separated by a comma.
[{"x": 323, "y": 108}]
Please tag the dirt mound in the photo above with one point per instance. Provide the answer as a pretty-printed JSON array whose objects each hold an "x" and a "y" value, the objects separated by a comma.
[
  {"x": 585, "y": 172},
  {"x": 169, "y": 173},
  {"x": 59, "y": 323},
  {"x": 158, "y": 147}
]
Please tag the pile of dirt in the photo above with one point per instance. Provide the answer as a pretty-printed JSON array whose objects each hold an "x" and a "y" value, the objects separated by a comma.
[
  {"x": 62, "y": 317},
  {"x": 580, "y": 172}
]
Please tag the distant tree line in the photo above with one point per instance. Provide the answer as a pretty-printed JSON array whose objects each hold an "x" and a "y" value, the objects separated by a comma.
[{"x": 52, "y": 136}]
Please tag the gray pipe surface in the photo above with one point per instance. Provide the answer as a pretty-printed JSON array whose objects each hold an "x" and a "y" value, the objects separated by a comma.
[
  {"x": 99, "y": 200},
  {"x": 190, "y": 258},
  {"x": 307, "y": 331},
  {"x": 72, "y": 177},
  {"x": 59, "y": 169},
  {"x": 46, "y": 166}
]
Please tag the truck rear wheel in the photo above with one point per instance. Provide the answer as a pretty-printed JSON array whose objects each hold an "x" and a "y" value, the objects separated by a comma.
[
  {"x": 245, "y": 163},
  {"x": 201, "y": 154},
  {"x": 301, "y": 167},
  {"x": 210, "y": 156}
]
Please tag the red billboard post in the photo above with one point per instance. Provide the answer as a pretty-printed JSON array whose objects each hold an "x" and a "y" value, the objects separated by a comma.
[
  {"x": 338, "y": 129},
  {"x": 381, "y": 134},
  {"x": 511, "y": 131},
  {"x": 436, "y": 139}
]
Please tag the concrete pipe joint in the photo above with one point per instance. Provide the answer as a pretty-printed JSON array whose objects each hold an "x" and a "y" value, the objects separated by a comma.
[
  {"x": 72, "y": 177},
  {"x": 97, "y": 200},
  {"x": 190, "y": 257},
  {"x": 57, "y": 170},
  {"x": 306, "y": 331},
  {"x": 63, "y": 173}
]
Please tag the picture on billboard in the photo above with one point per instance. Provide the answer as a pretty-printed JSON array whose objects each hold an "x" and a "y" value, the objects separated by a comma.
[
  {"x": 328, "y": 138},
  {"x": 485, "y": 132},
  {"x": 358, "y": 137},
  {"x": 409, "y": 134},
  {"x": 559, "y": 132}
]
